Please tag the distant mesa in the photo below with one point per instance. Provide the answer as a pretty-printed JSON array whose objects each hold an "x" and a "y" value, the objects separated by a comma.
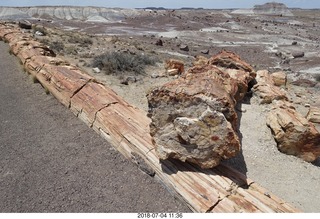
[
  {"x": 270, "y": 8},
  {"x": 154, "y": 8}
]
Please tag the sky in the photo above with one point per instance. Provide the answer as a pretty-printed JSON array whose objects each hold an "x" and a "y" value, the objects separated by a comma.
[{"x": 214, "y": 4}]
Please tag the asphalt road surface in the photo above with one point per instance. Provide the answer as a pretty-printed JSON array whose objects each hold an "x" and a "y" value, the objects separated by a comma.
[{"x": 50, "y": 161}]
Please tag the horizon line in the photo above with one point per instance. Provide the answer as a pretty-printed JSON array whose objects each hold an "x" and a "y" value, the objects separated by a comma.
[{"x": 147, "y": 7}]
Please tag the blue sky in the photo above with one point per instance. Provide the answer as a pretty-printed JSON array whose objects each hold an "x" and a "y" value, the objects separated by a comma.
[{"x": 162, "y": 3}]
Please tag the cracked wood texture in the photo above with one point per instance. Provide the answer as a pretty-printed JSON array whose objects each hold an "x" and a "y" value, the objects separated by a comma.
[{"x": 219, "y": 189}]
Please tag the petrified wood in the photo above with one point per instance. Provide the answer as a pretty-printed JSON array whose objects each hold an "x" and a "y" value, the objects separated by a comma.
[{"x": 194, "y": 117}]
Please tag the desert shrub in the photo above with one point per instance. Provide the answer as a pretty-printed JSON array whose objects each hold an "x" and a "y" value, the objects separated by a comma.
[
  {"x": 87, "y": 55},
  {"x": 82, "y": 41},
  {"x": 56, "y": 46},
  {"x": 317, "y": 77},
  {"x": 40, "y": 29},
  {"x": 71, "y": 50},
  {"x": 117, "y": 62},
  {"x": 44, "y": 41},
  {"x": 114, "y": 39}
]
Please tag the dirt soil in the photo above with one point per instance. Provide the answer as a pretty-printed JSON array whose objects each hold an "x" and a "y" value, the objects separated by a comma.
[{"x": 265, "y": 42}]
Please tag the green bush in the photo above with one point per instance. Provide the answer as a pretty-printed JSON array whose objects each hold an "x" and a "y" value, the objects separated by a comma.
[{"x": 117, "y": 62}]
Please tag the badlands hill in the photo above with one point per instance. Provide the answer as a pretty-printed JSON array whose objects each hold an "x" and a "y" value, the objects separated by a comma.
[
  {"x": 100, "y": 14},
  {"x": 93, "y": 14},
  {"x": 272, "y": 8}
]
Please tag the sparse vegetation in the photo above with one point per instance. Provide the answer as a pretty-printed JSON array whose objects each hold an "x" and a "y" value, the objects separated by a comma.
[
  {"x": 317, "y": 77},
  {"x": 44, "y": 41},
  {"x": 56, "y": 46},
  {"x": 71, "y": 50},
  {"x": 40, "y": 29},
  {"x": 80, "y": 40},
  {"x": 116, "y": 62}
]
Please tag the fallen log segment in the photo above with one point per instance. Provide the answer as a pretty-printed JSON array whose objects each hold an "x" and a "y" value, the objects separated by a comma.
[
  {"x": 194, "y": 117},
  {"x": 266, "y": 89},
  {"x": 294, "y": 134},
  {"x": 220, "y": 189}
]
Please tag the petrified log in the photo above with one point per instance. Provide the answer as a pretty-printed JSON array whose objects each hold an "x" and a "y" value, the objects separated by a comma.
[
  {"x": 36, "y": 63},
  {"x": 33, "y": 48},
  {"x": 62, "y": 81},
  {"x": 266, "y": 90},
  {"x": 7, "y": 30},
  {"x": 23, "y": 43},
  {"x": 92, "y": 98},
  {"x": 314, "y": 115},
  {"x": 294, "y": 134},
  {"x": 194, "y": 117}
]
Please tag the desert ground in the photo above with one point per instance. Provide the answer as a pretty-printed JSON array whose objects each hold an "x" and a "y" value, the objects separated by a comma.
[{"x": 272, "y": 42}]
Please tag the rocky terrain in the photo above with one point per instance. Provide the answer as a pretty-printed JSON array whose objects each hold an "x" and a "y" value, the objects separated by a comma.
[{"x": 269, "y": 37}]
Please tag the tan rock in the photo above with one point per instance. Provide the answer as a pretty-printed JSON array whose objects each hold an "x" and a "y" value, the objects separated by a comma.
[
  {"x": 194, "y": 117},
  {"x": 294, "y": 134},
  {"x": 265, "y": 89},
  {"x": 279, "y": 78},
  {"x": 173, "y": 72},
  {"x": 174, "y": 67},
  {"x": 200, "y": 60},
  {"x": 314, "y": 115}
]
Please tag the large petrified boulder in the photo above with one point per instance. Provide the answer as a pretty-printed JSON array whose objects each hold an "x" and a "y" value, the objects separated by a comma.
[
  {"x": 194, "y": 117},
  {"x": 294, "y": 134}
]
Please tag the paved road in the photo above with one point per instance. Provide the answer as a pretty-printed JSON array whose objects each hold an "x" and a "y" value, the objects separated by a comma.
[{"x": 52, "y": 162}]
